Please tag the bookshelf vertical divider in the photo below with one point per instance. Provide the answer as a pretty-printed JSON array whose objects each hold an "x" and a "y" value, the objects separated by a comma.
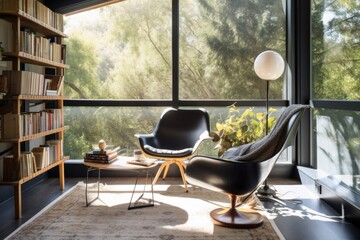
[{"x": 25, "y": 20}]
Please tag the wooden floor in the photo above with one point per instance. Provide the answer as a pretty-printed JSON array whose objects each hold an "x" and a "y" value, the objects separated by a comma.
[{"x": 297, "y": 213}]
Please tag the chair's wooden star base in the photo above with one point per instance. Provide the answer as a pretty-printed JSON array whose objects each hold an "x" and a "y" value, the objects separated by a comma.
[
  {"x": 233, "y": 218},
  {"x": 165, "y": 166}
]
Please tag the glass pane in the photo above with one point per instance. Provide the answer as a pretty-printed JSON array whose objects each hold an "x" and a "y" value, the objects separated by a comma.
[
  {"x": 219, "y": 41},
  {"x": 118, "y": 125},
  {"x": 120, "y": 51},
  {"x": 336, "y": 49},
  {"x": 336, "y": 145}
]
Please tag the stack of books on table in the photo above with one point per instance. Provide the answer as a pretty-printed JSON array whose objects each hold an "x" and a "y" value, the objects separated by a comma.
[{"x": 99, "y": 156}]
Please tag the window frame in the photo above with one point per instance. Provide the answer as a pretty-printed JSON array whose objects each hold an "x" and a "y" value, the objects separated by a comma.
[{"x": 176, "y": 102}]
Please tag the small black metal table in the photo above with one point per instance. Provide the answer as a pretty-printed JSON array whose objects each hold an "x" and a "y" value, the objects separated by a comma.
[{"x": 121, "y": 164}]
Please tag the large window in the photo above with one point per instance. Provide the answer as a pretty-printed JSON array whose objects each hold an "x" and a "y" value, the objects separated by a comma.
[
  {"x": 121, "y": 51},
  {"x": 124, "y": 63},
  {"x": 118, "y": 125},
  {"x": 336, "y": 49},
  {"x": 336, "y": 91},
  {"x": 219, "y": 41}
]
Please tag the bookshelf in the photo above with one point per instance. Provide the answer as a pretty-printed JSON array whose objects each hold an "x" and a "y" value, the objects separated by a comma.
[{"x": 33, "y": 107}]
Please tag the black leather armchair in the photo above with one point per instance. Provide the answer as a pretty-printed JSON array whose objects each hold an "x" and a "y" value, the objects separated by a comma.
[
  {"x": 175, "y": 138},
  {"x": 241, "y": 170}
]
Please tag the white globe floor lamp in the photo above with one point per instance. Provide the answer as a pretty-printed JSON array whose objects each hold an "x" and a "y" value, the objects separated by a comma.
[{"x": 269, "y": 66}]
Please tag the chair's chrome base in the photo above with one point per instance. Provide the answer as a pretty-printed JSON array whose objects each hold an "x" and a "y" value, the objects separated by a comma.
[{"x": 233, "y": 218}]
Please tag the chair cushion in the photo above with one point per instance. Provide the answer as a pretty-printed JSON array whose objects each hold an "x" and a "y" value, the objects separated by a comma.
[{"x": 167, "y": 152}]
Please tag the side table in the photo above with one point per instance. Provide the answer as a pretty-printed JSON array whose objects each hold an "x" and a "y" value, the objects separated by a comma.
[{"x": 121, "y": 165}]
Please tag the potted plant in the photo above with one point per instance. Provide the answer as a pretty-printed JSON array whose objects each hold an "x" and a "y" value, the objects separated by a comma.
[{"x": 241, "y": 127}]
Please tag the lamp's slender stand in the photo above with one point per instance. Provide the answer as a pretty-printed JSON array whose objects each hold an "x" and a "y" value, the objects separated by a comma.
[{"x": 265, "y": 189}]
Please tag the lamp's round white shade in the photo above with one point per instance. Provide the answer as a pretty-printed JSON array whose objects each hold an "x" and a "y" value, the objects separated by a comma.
[{"x": 269, "y": 65}]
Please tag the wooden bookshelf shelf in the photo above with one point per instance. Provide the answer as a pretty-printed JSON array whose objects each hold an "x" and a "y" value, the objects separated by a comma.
[
  {"x": 36, "y": 97},
  {"x": 35, "y": 24},
  {"x": 28, "y": 58},
  {"x": 37, "y": 173},
  {"x": 34, "y": 136}
]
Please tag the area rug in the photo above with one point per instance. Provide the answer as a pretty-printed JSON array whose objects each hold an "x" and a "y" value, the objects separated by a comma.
[{"x": 176, "y": 215}]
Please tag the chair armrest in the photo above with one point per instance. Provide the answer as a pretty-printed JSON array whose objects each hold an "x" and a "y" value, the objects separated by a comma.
[
  {"x": 144, "y": 135},
  {"x": 204, "y": 136},
  {"x": 144, "y": 139}
]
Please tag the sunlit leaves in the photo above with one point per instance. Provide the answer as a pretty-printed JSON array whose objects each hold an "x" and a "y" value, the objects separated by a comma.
[{"x": 241, "y": 127}]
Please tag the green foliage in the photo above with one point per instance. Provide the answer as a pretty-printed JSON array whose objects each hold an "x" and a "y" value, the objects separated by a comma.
[
  {"x": 236, "y": 32},
  {"x": 241, "y": 127},
  {"x": 81, "y": 78},
  {"x": 336, "y": 49}
]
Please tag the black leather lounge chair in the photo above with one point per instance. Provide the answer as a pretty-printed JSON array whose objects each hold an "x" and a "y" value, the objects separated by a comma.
[
  {"x": 176, "y": 137},
  {"x": 241, "y": 170}
]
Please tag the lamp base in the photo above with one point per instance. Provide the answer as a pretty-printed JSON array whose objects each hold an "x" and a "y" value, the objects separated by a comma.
[{"x": 266, "y": 191}]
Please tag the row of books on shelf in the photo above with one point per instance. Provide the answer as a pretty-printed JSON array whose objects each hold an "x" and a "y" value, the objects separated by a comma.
[
  {"x": 32, "y": 161},
  {"x": 25, "y": 124},
  {"x": 41, "y": 46},
  {"x": 30, "y": 83},
  {"x": 102, "y": 156},
  {"x": 35, "y": 9}
]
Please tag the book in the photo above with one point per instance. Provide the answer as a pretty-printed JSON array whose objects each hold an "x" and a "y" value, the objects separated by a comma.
[
  {"x": 24, "y": 82},
  {"x": 101, "y": 160},
  {"x": 12, "y": 129},
  {"x": 10, "y": 169},
  {"x": 104, "y": 152},
  {"x": 58, "y": 143},
  {"x": 27, "y": 164},
  {"x": 51, "y": 93},
  {"x": 47, "y": 84},
  {"x": 144, "y": 162},
  {"x": 56, "y": 84},
  {"x": 100, "y": 157},
  {"x": 46, "y": 155},
  {"x": 39, "y": 155},
  {"x": 60, "y": 85},
  {"x": 63, "y": 53}
]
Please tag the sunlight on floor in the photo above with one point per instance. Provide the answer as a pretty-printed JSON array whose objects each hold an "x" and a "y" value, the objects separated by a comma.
[{"x": 289, "y": 202}]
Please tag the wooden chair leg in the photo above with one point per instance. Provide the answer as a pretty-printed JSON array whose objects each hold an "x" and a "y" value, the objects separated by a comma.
[
  {"x": 167, "y": 169},
  {"x": 159, "y": 172},
  {"x": 182, "y": 175},
  {"x": 183, "y": 164}
]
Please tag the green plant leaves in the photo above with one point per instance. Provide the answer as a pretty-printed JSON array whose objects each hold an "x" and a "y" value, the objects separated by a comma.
[{"x": 241, "y": 128}]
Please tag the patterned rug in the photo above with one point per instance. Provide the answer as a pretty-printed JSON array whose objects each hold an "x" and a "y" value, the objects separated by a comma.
[{"x": 176, "y": 215}]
